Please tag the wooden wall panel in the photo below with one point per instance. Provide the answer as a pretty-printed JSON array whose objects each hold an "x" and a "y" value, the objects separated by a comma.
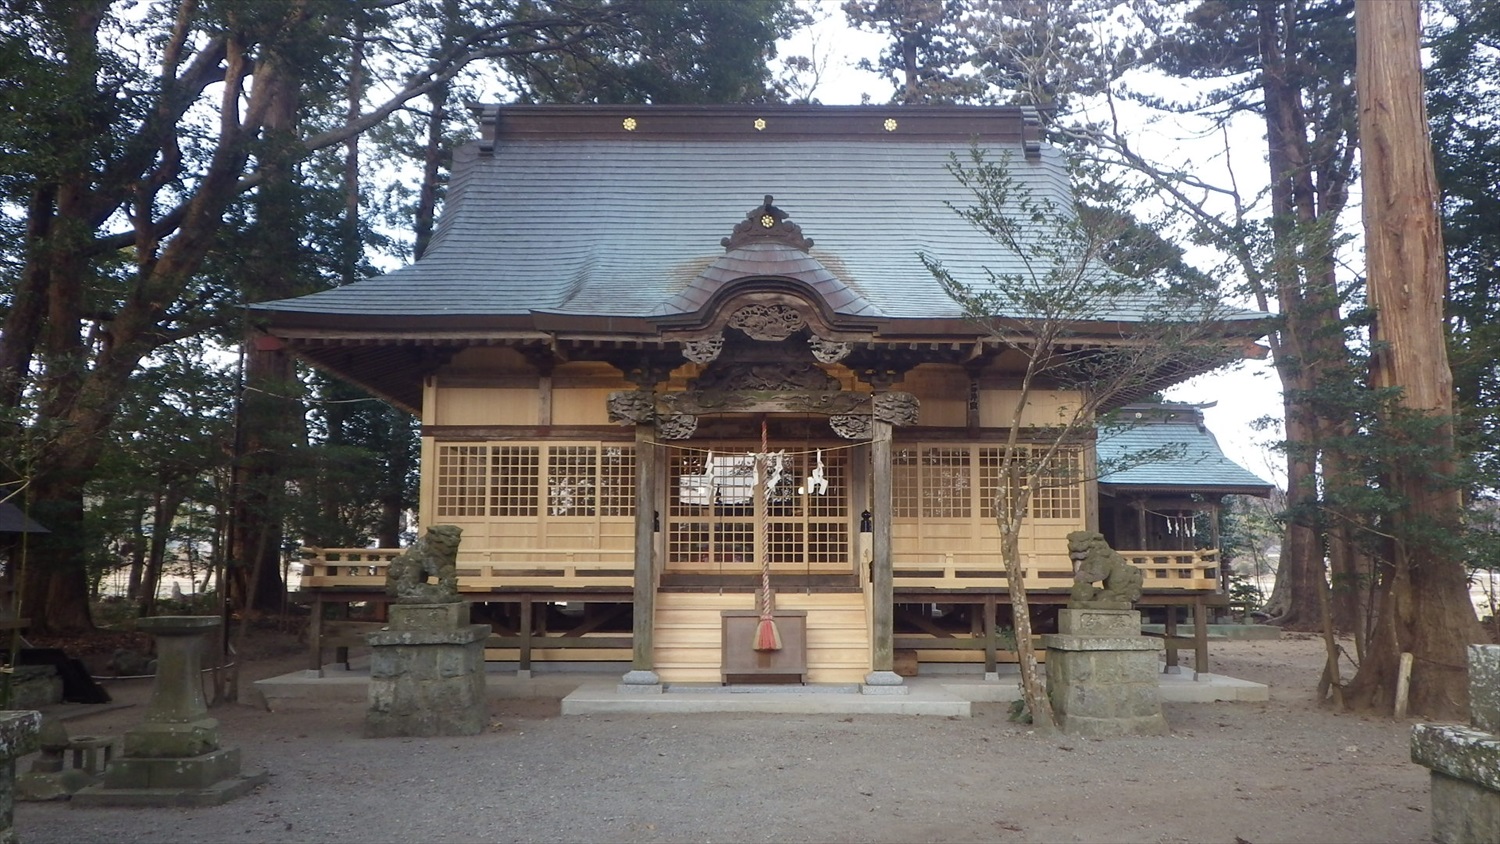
[
  {"x": 943, "y": 393},
  {"x": 485, "y": 406},
  {"x": 1044, "y": 408},
  {"x": 689, "y": 645}
]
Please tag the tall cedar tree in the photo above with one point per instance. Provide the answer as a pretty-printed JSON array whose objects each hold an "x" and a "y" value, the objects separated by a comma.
[{"x": 1424, "y": 588}]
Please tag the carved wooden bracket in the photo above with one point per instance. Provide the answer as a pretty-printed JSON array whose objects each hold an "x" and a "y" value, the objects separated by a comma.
[
  {"x": 678, "y": 426},
  {"x": 703, "y": 351},
  {"x": 632, "y": 407},
  {"x": 897, "y": 408},
  {"x": 852, "y": 426},
  {"x": 829, "y": 351}
]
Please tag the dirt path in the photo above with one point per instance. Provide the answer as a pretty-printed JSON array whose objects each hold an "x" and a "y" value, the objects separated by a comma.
[{"x": 1283, "y": 771}]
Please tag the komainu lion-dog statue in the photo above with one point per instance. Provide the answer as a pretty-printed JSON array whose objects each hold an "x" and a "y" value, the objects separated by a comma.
[
  {"x": 434, "y": 555},
  {"x": 1095, "y": 561}
]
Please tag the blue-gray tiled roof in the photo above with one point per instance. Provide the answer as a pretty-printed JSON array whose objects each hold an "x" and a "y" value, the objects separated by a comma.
[
  {"x": 1196, "y": 465},
  {"x": 594, "y": 224}
]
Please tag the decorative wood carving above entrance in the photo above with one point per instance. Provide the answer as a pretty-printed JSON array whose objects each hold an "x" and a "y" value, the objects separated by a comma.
[
  {"x": 768, "y": 322},
  {"x": 766, "y": 401},
  {"x": 764, "y": 375}
]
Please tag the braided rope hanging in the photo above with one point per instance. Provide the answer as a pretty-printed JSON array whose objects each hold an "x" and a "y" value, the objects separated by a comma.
[{"x": 767, "y": 637}]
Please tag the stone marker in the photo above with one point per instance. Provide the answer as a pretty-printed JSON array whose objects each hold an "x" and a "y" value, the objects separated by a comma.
[
  {"x": 18, "y": 737},
  {"x": 1101, "y": 672},
  {"x": 173, "y": 757},
  {"x": 1465, "y": 761},
  {"x": 427, "y": 667}
]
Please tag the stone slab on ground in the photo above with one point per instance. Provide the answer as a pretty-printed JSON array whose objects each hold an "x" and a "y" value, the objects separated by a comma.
[
  {"x": 602, "y": 698},
  {"x": 215, "y": 794},
  {"x": 1221, "y": 631}
]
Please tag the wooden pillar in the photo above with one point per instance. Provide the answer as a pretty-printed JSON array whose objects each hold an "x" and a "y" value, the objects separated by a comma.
[
  {"x": 523, "y": 662},
  {"x": 991, "y": 636},
  {"x": 1200, "y": 637},
  {"x": 642, "y": 660},
  {"x": 315, "y": 636},
  {"x": 882, "y": 623},
  {"x": 1169, "y": 638}
]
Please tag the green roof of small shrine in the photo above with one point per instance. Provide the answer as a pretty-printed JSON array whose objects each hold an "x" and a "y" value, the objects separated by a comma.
[{"x": 1196, "y": 463}]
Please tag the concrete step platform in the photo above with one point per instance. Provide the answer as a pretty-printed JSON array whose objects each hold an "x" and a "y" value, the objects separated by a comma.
[
  {"x": 597, "y": 691},
  {"x": 602, "y": 698}
]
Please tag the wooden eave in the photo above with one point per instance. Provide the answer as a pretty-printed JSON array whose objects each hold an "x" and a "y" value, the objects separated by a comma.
[{"x": 1016, "y": 126}]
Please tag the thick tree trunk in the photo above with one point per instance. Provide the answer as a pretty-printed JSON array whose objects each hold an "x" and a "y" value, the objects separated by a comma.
[
  {"x": 1294, "y": 600},
  {"x": 1309, "y": 356},
  {"x": 255, "y": 535},
  {"x": 1427, "y": 612},
  {"x": 54, "y": 582}
]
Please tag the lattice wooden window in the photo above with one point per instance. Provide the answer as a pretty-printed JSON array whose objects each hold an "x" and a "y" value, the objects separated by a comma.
[
  {"x": 946, "y": 486},
  {"x": 617, "y": 481},
  {"x": 712, "y": 513},
  {"x": 905, "y": 489},
  {"x": 1060, "y": 491},
  {"x": 1060, "y": 495},
  {"x": 687, "y": 542},
  {"x": 462, "y": 480},
  {"x": 514, "y": 471},
  {"x": 572, "y": 480},
  {"x": 827, "y": 543}
]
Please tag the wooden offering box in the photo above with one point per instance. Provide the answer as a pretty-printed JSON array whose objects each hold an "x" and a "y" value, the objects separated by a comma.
[{"x": 743, "y": 664}]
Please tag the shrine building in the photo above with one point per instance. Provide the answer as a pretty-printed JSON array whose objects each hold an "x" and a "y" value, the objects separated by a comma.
[{"x": 667, "y": 356}]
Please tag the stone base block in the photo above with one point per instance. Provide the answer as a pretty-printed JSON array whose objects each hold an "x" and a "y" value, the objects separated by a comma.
[
  {"x": 1463, "y": 812},
  {"x": 449, "y": 616},
  {"x": 186, "y": 739},
  {"x": 1104, "y": 686},
  {"x": 1080, "y": 725},
  {"x": 1093, "y": 622},
  {"x": 427, "y": 684},
  {"x": 172, "y": 773},
  {"x": 215, "y": 794}
]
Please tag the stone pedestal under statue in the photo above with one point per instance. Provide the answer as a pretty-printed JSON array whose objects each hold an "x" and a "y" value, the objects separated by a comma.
[
  {"x": 173, "y": 757},
  {"x": 1465, "y": 760},
  {"x": 427, "y": 667},
  {"x": 18, "y": 737},
  {"x": 1101, "y": 674},
  {"x": 427, "y": 673}
]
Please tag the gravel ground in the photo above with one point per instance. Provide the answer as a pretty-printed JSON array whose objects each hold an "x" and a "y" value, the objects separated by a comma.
[{"x": 1283, "y": 771}]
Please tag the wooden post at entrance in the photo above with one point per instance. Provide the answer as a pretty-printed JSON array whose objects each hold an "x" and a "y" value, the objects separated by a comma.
[
  {"x": 882, "y": 622},
  {"x": 642, "y": 659}
]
